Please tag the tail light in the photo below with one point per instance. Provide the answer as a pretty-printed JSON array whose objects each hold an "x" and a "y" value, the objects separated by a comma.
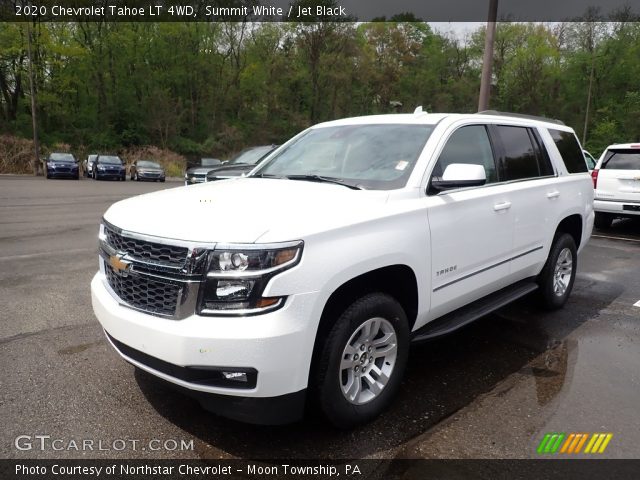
[{"x": 594, "y": 177}]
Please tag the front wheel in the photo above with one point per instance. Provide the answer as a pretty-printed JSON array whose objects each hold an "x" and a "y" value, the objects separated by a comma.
[
  {"x": 362, "y": 361},
  {"x": 559, "y": 273}
]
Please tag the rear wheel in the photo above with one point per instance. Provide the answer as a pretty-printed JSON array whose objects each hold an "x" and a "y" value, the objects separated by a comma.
[
  {"x": 603, "y": 220},
  {"x": 362, "y": 361},
  {"x": 559, "y": 273}
]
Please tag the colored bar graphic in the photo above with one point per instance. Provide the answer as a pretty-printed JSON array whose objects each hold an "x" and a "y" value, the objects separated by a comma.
[{"x": 572, "y": 443}]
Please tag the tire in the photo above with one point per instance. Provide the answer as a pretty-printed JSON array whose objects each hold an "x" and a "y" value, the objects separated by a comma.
[
  {"x": 162, "y": 180},
  {"x": 131, "y": 177},
  {"x": 603, "y": 221},
  {"x": 77, "y": 177},
  {"x": 48, "y": 176},
  {"x": 332, "y": 376},
  {"x": 137, "y": 177},
  {"x": 559, "y": 272}
]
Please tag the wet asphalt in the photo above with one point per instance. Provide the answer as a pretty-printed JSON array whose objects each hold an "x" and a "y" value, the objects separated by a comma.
[{"x": 491, "y": 390}]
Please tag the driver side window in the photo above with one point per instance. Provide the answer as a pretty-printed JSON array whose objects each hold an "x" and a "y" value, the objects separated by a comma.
[{"x": 468, "y": 145}]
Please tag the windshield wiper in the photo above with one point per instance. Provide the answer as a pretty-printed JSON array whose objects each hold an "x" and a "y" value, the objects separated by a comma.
[
  {"x": 266, "y": 175},
  {"x": 320, "y": 178}
]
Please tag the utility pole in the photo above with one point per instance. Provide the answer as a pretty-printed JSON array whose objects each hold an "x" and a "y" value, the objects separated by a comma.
[
  {"x": 586, "y": 115},
  {"x": 487, "y": 61},
  {"x": 34, "y": 108}
]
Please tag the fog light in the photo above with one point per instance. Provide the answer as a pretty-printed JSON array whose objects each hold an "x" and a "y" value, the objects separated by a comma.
[{"x": 236, "y": 376}]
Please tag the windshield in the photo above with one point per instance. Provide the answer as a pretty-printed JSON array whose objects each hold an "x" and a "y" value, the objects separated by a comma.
[
  {"x": 61, "y": 157},
  {"x": 148, "y": 164},
  {"x": 379, "y": 157},
  {"x": 110, "y": 160},
  {"x": 250, "y": 156},
  {"x": 622, "y": 160}
]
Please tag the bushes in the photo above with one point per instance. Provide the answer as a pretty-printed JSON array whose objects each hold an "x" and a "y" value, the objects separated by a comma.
[{"x": 16, "y": 154}]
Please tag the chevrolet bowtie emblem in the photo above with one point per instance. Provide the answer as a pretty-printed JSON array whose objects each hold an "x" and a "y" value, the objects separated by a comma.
[{"x": 119, "y": 265}]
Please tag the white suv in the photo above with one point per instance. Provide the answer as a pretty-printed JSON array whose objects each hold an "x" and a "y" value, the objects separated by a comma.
[
  {"x": 306, "y": 282},
  {"x": 616, "y": 179}
]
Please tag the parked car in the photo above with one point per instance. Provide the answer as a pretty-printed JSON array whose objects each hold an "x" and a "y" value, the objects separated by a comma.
[
  {"x": 616, "y": 180},
  {"x": 62, "y": 165},
  {"x": 591, "y": 162},
  {"x": 198, "y": 174},
  {"x": 241, "y": 164},
  {"x": 146, "y": 170},
  {"x": 108, "y": 167},
  {"x": 87, "y": 165},
  {"x": 354, "y": 239}
]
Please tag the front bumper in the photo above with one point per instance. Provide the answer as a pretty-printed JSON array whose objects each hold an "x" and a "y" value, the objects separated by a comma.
[
  {"x": 62, "y": 173},
  {"x": 622, "y": 209},
  {"x": 150, "y": 176},
  {"x": 277, "y": 345}
]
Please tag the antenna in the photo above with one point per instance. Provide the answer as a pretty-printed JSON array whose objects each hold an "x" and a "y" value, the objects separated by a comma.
[{"x": 418, "y": 110}]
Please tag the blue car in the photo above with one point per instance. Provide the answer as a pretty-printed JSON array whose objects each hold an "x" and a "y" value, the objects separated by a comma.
[
  {"x": 108, "y": 167},
  {"x": 62, "y": 165}
]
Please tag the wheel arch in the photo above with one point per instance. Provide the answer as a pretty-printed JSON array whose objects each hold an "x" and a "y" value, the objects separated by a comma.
[
  {"x": 398, "y": 280},
  {"x": 573, "y": 225}
]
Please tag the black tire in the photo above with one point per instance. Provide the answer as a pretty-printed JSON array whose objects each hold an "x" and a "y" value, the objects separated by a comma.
[
  {"x": 48, "y": 176},
  {"x": 137, "y": 177},
  {"x": 162, "y": 180},
  {"x": 603, "y": 221},
  {"x": 326, "y": 380},
  {"x": 550, "y": 297},
  {"x": 131, "y": 177}
]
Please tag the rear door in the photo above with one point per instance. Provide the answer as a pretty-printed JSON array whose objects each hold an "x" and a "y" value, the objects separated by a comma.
[
  {"x": 535, "y": 194},
  {"x": 619, "y": 175}
]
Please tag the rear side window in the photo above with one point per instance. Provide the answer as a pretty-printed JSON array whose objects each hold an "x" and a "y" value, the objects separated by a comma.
[
  {"x": 621, "y": 160},
  {"x": 570, "y": 150},
  {"x": 468, "y": 145},
  {"x": 520, "y": 156}
]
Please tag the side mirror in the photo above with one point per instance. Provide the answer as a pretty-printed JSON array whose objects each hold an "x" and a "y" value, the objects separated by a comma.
[{"x": 460, "y": 175}]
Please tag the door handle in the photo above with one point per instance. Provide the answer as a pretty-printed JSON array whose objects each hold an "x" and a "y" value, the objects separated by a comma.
[
  {"x": 554, "y": 194},
  {"x": 502, "y": 206}
]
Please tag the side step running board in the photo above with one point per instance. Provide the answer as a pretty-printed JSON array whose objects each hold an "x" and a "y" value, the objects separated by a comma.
[{"x": 463, "y": 316}]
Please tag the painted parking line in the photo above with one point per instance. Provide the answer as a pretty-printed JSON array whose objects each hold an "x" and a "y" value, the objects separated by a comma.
[
  {"x": 637, "y": 304},
  {"x": 617, "y": 238}
]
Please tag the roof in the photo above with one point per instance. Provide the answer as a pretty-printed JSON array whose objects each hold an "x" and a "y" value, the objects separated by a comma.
[
  {"x": 633, "y": 146},
  {"x": 423, "y": 118}
]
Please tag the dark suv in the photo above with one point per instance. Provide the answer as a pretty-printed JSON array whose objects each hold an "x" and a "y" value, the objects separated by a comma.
[
  {"x": 62, "y": 165},
  {"x": 108, "y": 167}
]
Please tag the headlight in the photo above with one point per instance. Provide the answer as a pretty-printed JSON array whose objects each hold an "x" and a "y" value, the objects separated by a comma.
[
  {"x": 238, "y": 274},
  {"x": 100, "y": 167}
]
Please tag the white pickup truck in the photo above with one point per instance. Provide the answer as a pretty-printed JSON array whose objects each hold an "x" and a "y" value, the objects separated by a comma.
[{"x": 305, "y": 283}]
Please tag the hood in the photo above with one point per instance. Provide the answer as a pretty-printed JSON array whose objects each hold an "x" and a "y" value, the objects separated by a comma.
[
  {"x": 244, "y": 210},
  {"x": 231, "y": 170},
  {"x": 150, "y": 169}
]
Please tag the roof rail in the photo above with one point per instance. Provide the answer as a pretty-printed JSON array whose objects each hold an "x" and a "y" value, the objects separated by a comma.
[{"x": 521, "y": 115}]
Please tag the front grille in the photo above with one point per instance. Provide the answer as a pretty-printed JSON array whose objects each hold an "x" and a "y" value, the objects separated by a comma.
[
  {"x": 144, "y": 293},
  {"x": 156, "y": 253}
]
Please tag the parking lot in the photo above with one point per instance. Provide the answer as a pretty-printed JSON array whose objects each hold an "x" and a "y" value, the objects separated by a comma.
[{"x": 491, "y": 390}]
